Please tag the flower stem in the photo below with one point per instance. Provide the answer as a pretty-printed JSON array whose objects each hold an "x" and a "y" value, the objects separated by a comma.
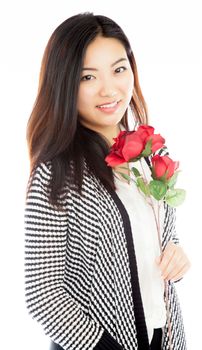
[{"x": 157, "y": 221}]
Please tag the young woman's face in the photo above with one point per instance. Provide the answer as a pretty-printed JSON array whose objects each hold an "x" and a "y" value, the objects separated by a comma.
[{"x": 107, "y": 78}]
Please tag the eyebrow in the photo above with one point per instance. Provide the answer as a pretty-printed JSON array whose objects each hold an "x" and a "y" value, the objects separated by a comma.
[{"x": 112, "y": 65}]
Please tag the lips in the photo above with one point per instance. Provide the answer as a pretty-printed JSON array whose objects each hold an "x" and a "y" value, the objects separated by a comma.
[
  {"x": 109, "y": 108},
  {"x": 108, "y": 104}
]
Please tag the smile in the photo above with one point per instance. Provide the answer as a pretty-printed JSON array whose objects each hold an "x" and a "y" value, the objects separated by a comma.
[{"x": 110, "y": 107}]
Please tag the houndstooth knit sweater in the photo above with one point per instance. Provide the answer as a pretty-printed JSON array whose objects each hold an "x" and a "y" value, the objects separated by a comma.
[{"x": 81, "y": 277}]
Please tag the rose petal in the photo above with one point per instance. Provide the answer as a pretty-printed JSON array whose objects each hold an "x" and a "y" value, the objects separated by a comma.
[
  {"x": 133, "y": 146},
  {"x": 159, "y": 166},
  {"x": 112, "y": 160}
]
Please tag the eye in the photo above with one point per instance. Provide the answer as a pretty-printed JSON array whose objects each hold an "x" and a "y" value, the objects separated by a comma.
[
  {"x": 85, "y": 77},
  {"x": 124, "y": 68}
]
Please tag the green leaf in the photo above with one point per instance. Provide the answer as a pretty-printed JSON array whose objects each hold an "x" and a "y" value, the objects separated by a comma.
[
  {"x": 175, "y": 197},
  {"x": 157, "y": 189},
  {"x": 172, "y": 181},
  {"x": 125, "y": 176},
  {"x": 135, "y": 172},
  {"x": 148, "y": 149},
  {"x": 143, "y": 186}
]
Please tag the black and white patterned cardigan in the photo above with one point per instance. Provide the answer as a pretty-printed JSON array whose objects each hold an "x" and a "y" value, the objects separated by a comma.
[{"x": 81, "y": 279}]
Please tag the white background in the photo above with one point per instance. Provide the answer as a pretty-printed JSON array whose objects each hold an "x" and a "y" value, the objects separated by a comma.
[{"x": 166, "y": 40}]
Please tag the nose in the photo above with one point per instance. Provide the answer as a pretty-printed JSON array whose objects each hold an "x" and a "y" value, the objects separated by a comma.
[
  {"x": 107, "y": 90},
  {"x": 107, "y": 93}
]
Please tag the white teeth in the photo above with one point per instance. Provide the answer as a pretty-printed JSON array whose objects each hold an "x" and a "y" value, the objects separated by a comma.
[{"x": 110, "y": 105}]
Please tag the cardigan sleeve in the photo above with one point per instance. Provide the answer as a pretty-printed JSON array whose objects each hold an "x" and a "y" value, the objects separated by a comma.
[{"x": 46, "y": 298}]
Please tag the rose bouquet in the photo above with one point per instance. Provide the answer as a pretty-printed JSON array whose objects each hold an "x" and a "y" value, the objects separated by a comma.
[{"x": 133, "y": 146}]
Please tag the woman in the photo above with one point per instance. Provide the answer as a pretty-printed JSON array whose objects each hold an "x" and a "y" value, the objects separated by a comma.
[{"x": 88, "y": 281}]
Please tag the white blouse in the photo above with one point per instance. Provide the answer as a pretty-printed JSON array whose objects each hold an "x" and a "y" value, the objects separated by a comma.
[{"x": 146, "y": 246}]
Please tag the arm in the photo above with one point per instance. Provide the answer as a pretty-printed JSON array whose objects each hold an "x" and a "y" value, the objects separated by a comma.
[{"x": 46, "y": 299}]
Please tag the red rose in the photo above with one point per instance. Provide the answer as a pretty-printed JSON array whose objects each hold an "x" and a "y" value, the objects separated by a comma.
[
  {"x": 133, "y": 146},
  {"x": 163, "y": 164},
  {"x": 130, "y": 144},
  {"x": 127, "y": 145},
  {"x": 157, "y": 142},
  {"x": 146, "y": 132},
  {"x": 115, "y": 156}
]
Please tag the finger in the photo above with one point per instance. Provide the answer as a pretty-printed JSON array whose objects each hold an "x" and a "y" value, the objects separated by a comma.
[
  {"x": 178, "y": 265},
  {"x": 181, "y": 273},
  {"x": 174, "y": 260},
  {"x": 166, "y": 258},
  {"x": 175, "y": 265}
]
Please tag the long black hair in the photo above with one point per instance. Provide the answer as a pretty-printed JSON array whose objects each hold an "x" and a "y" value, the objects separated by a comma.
[{"x": 54, "y": 132}]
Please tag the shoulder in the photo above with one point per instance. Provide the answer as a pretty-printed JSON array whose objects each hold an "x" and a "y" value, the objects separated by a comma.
[
  {"x": 42, "y": 171},
  {"x": 40, "y": 177}
]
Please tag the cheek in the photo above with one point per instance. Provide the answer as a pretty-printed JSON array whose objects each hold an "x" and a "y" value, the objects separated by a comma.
[
  {"x": 84, "y": 96},
  {"x": 131, "y": 82},
  {"x": 128, "y": 84}
]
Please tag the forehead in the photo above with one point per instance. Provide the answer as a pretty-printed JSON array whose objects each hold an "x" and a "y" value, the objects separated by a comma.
[{"x": 104, "y": 50}]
